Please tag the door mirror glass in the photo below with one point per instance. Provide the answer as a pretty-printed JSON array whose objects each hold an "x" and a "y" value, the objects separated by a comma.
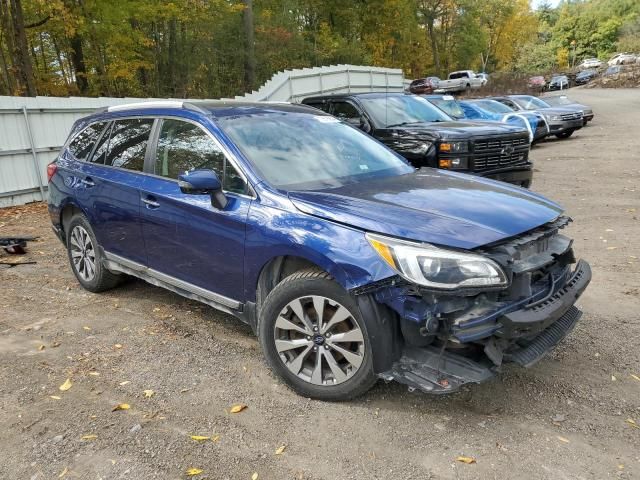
[{"x": 205, "y": 181}]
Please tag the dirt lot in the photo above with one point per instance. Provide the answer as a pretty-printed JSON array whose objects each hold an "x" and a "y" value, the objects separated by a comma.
[{"x": 570, "y": 417}]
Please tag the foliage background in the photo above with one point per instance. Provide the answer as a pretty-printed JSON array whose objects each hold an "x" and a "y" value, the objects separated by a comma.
[{"x": 216, "y": 48}]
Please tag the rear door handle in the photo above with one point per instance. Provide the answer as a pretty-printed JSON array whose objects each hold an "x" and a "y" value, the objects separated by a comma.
[
  {"x": 88, "y": 182},
  {"x": 150, "y": 203}
]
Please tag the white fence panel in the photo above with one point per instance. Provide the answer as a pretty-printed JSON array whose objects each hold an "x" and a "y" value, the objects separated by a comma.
[{"x": 32, "y": 130}]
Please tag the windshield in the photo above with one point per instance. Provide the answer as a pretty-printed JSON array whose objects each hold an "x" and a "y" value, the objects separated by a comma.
[
  {"x": 493, "y": 106},
  {"x": 301, "y": 151},
  {"x": 559, "y": 101},
  {"x": 530, "y": 103},
  {"x": 450, "y": 107},
  {"x": 398, "y": 110}
]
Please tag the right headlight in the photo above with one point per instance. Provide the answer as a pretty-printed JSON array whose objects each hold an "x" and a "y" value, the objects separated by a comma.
[
  {"x": 554, "y": 118},
  {"x": 436, "y": 267}
]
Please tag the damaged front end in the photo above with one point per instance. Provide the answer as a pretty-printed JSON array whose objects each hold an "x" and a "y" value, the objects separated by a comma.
[{"x": 464, "y": 335}]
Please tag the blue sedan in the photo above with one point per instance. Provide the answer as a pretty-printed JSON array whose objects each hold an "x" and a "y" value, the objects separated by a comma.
[{"x": 492, "y": 111}]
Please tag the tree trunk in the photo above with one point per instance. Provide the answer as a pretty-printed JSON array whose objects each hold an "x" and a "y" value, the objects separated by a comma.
[
  {"x": 434, "y": 45},
  {"x": 5, "y": 34},
  {"x": 172, "y": 57},
  {"x": 60, "y": 61},
  {"x": 77, "y": 60},
  {"x": 249, "y": 47},
  {"x": 22, "y": 59}
]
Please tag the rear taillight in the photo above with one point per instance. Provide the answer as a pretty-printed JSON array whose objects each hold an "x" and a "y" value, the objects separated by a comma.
[{"x": 52, "y": 168}]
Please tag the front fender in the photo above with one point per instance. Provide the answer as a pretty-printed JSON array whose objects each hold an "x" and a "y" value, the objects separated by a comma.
[{"x": 340, "y": 250}]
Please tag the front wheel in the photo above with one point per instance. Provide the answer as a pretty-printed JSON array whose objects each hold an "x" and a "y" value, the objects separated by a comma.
[
  {"x": 314, "y": 337},
  {"x": 566, "y": 134}
]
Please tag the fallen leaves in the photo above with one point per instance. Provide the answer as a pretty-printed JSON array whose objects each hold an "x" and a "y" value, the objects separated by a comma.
[
  {"x": 563, "y": 440},
  {"x": 148, "y": 393},
  {"x": 89, "y": 437},
  {"x": 126, "y": 382},
  {"x": 41, "y": 347},
  {"x": 121, "y": 406},
  {"x": 66, "y": 385},
  {"x": 254, "y": 476},
  {"x": 117, "y": 346},
  {"x": 238, "y": 408},
  {"x": 55, "y": 397},
  {"x": 280, "y": 450},
  {"x": 193, "y": 471},
  {"x": 202, "y": 438},
  {"x": 467, "y": 460},
  {"x": 635, "y": 377},
  {"x": 94, "y": 374},
  {"x": 632, "y": 422},
  {"x": 64, "y": 472}
]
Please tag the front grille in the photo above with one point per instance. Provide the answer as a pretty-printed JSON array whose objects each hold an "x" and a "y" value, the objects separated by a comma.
[
  {"x": 571, "y": 116},
  {"x": 500, "y": 152}
]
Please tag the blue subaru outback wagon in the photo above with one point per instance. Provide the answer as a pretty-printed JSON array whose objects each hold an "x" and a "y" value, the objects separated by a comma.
[{"x": 349, "y": 264}]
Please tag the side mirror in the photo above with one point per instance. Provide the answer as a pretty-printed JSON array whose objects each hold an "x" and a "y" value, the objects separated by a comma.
[
  {"x": 203, "y": 182},
  {"x": 359, "y": 122}
]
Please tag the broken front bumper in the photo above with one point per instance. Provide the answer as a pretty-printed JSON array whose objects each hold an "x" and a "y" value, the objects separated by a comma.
[{"x": 522, "y": 332}]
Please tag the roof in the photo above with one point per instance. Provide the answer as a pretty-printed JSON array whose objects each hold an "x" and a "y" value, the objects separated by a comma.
[
  {"x": 357, "y": 95},
  {"x": 215, "y": 108}
]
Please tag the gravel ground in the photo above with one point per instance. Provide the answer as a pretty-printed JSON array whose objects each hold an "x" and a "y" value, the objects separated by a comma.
[{"x": 569, "y": 417}]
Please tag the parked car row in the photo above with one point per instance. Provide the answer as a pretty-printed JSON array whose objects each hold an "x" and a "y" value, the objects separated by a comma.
[
  {"x": 459, "y": 81},
  {"x": 348, "y": 262},
  {"x": 488, "y": 137}
]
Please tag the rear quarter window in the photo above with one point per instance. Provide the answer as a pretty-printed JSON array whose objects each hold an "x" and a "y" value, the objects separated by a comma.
[{"x": 83, "y": 143}]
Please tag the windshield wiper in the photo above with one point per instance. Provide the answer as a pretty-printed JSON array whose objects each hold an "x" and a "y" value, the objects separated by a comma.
[{"x": 406, "y": 123}]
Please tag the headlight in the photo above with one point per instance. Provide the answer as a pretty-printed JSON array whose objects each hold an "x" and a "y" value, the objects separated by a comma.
[
  {"x": 453, "y": 163},
  {"x": 454, "y": 147},
  {"x": 420, "y": 149},
  {"x": 554, "y": 118},
  {"x": 435, "y": 267}
]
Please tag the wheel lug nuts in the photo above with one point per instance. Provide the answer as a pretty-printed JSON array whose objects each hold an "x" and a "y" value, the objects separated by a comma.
[
  {"x": 308, "y": 337},
  {"x": 315, "y": 329},
  {"x": 326, "y": 347},
  {"x": 315, "y": 349}
]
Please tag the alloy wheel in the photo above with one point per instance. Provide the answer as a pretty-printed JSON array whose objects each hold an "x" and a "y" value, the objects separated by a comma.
[
  {"x": 83, "y": 254},
  {"x": 319, "y": 341}
]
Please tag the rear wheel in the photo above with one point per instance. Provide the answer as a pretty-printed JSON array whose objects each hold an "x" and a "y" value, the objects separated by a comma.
[
  {"x": 314, "y": 337},
  {"x": 85, "y": 257},
  {"x": 566, "y": 134}
]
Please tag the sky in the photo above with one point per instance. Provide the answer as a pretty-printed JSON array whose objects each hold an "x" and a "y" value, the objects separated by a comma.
[{"x": 535, "y": 3}]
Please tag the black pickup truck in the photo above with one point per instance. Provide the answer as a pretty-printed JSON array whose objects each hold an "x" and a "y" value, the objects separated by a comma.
[{"x": 427, "y": 137}]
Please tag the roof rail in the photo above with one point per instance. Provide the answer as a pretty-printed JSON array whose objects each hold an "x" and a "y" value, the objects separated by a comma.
[{"x": 153, "y": 104}]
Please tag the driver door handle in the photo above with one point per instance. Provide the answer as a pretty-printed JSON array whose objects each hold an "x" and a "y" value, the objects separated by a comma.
[{"x": 150, "y": 203}]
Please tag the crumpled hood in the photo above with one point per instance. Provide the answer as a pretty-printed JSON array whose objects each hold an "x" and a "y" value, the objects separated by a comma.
[{"x": 434, "y": 206}]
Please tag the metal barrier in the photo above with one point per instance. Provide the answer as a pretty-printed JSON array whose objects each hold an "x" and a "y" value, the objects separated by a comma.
[{"x": 33, "y": 129}]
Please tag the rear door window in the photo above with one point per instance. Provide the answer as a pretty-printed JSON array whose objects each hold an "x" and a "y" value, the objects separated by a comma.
[
  {"x": 184, "y": 146},
  {"x": 128, "y": 143},
  {"x": 324, "y": 106},
  {"x": 83, "y": 143},
  {"x": 102, "y": 147}
]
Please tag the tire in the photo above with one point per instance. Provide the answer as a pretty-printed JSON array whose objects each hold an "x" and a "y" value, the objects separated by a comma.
[
  {"x": 566, "y": 134},
  {"x": 338, "y": 378},
  {"x": 85, "y": 257}
]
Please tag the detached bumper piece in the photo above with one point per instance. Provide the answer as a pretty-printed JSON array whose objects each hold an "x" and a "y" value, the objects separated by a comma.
[
  {"x": 15, "y": 245},
  {"x": 431, "y": 370},
  {"x": 547, "y": 340}
]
